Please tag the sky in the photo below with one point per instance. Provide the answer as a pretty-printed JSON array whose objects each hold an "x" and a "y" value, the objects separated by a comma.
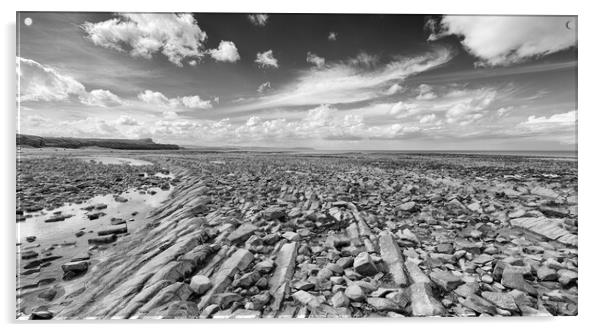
[{"x": 322, "y": 81}]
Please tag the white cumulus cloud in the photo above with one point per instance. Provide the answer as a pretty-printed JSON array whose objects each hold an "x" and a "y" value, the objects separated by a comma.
[
  {"x": 102, "y": 98},
  {"x": 266, "y": 60},
  {"x": 126, "y": 120},
  {"x": 196, "y": 102},
  {"x": 177, "y": 36},
  {"x": 159, "y": 99},
  {"x": 258, "y": 19},
  {"x": 225, "y": 52},
  {"x": 315, "y": 60}
]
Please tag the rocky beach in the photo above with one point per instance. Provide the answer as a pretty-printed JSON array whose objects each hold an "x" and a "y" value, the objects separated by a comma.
[{"x": 294, "y": 235}]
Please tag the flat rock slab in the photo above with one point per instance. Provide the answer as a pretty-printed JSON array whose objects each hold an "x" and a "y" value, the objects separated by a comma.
[
  {"x": 423, "y": 301},
  {"x": 391, "y": 255},
  {"x": 223, "y": 277},
  {"x": 242, "y": 233},
  {"x": 549, "y": 228},
  {"x": 285, "y": 266}
]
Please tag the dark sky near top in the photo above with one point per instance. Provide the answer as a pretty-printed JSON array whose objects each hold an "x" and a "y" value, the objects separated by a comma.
[{"x": 382, "y": 82}]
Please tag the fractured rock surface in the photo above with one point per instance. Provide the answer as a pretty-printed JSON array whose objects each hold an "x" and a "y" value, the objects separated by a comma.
[{"x": 294, "y": 236}]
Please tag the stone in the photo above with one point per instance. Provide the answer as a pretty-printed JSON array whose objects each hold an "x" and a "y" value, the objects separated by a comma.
[
  {"x": 408, "y": 207},
  {"x": 285, "y": 267},
  {"x": 103, "y": 239},
  {"x": 339, "y": 299},
  {"x": 382, "y": 304},
  {"x": 274, "y": 213},
  {"x": 247, "y": 280},
  {"x": 29, "y": 254},
  {"x": 48, "y": 294},
  {"x": 75, "y": 267},
  {"x": 415, "y": 273},
  {"x": 345, "y": 262},
  {"x": 446, "y": 280},
  {"x": 355, "y": 293},
  {"x": 304, "y": 285},
  {"x": 482, "y": 259},
  {"x": 478, "y": 304},
  {"x": 306, "y": 299},
  {"x": 291, "y": 236},
  {"x": 242, "y": 233},
  {"x": 513, "y": 278},
  {"x": 113, "y": 231},
  {"x": 566, "y": 277},
  {"x": 445, "y": 248},
  {"x": 336, "y": 269},
  {"x": 423, "y": 301},
  {"x": 363, "y": 264},
  {"x": 237, "y": 262},
  {"x": 265, "y": 266},
  {"x": 209, "y": 311},
  {"x": 41, "y": 315},
  {"x": 200, "y": 284},
  {"x": 544, "y": 273},
  {"x": 391, "y": 255},
  {"x": 501, "y": 300}
]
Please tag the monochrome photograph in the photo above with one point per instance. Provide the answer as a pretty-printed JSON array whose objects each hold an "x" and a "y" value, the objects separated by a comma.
[{"x": 205, "y": 165}]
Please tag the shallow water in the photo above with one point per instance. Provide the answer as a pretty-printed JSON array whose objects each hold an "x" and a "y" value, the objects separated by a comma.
[
  {"x": 59, "y": 239},
  {"x": 110, "y": 160}
]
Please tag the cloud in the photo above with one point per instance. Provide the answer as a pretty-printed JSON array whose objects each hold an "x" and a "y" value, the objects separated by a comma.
[
  {"x": 264, "y": 87},
  {"x": 266, "y": 60},
  {"x": 196, "y": 102},
  {"x": 126, "y": 120},
  {"x": 41, "y": 83},
  {"x": 425, "y": 92},
  {"x": 534, "y": 123},
  {"x": 226, "y": 52},
  {"x": 364, "y": 59},
  {"x": 177, "y": 36},
  {"x": 332, "y": 36},
  {"x": 315, "y": 60},
  {"x": 346, "y": 82},
  {"x": 102, "y": 98},
  {"x": 170, "y": 114},
  {"x": 428, "y": 118},
  {"x": 394, "y": 89},
  {"x": 159, "y": 99},
  {"x": 258, "y": 19},
  {"x": 504, "y": 40},
  {"x": 469, "y": 105},
  {"x": 504, "y": 110},
  {"x": 153, "y": 97},
  {"x": 404, "y": 109}
]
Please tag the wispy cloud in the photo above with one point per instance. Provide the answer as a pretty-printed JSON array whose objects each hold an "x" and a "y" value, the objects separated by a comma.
[
  {"x": 348, "y": 81},
  {"x": 264, "y": 87}
]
